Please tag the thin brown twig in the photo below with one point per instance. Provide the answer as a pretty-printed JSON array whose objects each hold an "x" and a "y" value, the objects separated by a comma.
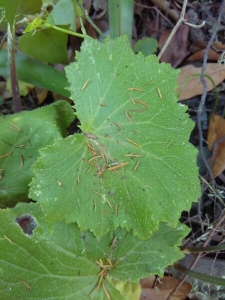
[
  {"x": 181, "y": 21},
  {"x": 164, "y": 6},
  {"x": 156, "y": 9}
]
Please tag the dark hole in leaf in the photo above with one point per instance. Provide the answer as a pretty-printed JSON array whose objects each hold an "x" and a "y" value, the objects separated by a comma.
[
  {"x": 27, "y": 223},
  {"x": 83, "y": 237}
]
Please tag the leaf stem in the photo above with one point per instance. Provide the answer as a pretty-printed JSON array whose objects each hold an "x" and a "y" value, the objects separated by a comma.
[
  {"x": 86, "y": 16},
  {"x": 82, "y": 26},
  {"x": 67, "y": 31}
]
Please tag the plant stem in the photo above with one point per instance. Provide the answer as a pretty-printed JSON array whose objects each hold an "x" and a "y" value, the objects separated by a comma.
[
  {"x": 12, "y": 68},
  {"x": 67, "y": 31},
  {"x": 86, "y": 16},
  {"x": 121, "y": 17}
]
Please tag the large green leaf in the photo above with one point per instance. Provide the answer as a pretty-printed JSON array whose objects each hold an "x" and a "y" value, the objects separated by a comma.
[
  {"x": 21, "y": 136},
  {"x": 58, "y": 261},
  {"x": 132, "y": 165}
]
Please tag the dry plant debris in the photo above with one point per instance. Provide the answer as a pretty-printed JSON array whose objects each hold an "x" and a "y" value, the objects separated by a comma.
[
  {"x": 216, "y": 143},
  {"x": 160, "y": 289},
  {"x": 193, "y": 86}
]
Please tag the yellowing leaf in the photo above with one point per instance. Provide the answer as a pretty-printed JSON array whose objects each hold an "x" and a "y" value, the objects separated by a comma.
[
  {"x": 130, "y": 290},
  {"x": 24, "y": 87}
]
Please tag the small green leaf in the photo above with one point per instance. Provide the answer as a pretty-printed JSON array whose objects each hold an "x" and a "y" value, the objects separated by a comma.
[
  {"x": 146, "y": 46},
  {"x": 59, "y": 261},
  {"x": 47, "y": 45},
  {"x": 10, "y": 7},
  {"x": 63, "y": 13},
  {"x": 22, "y": 135},
  {"x": 132, "y": 164}
]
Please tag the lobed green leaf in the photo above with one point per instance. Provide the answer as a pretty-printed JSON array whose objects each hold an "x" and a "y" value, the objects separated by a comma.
[
  {"x": 132, "y": 165},
  {"x": 59, "y": 261}
]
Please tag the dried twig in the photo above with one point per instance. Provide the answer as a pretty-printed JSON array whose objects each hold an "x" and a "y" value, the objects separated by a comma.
[{"x": 181, "y": 21}]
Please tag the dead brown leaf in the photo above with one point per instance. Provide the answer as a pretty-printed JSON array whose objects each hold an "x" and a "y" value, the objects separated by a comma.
[
  {"x": 161, "y": 290},
  {"x": 199, "y": 55},
  {"x": 198, "y": 50},
  {"x": 216, "y": 131},
  {"x": 176, "y": 51},
  {"x": 199, "y": 45},
  {"x": 41, "y": 95},
  {"x": 164, "y": 6},
  {"x": 194, "y": 86}
]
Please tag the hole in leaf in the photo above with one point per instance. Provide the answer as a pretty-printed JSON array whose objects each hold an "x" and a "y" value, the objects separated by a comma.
[
  {"x": 27, "y": 223},
  {"x": 83, "y": 237}
]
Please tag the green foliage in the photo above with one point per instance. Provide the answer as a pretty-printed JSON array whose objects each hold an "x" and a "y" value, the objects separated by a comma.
[
  {"x": 58, "y": 260},
  {"x": 22, "y": 135},
  {"x": 43, "y": 42},
  {"x": 130, "y": 123},
  {"x": 104, "y": 196},
  {"x": 10, "y": 7},
  {"x": 130, "y": 290},
  {"x": 30, "y": 70},
  {"x": 146, "y": 46},
  {"x": 120, "y": 18},
  {"x": 29, "y": 7},
  {"x": 45, "y": 45},
  {"x": 63, "y": 14},
  {"x": 46, "y": 35}
]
